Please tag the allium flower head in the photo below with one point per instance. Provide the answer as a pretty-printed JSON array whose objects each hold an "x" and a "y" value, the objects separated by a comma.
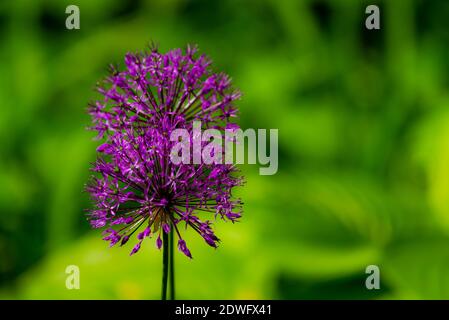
[{"x": 138, "y": 192}]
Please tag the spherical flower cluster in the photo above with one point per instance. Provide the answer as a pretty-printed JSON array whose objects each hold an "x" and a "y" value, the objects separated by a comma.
[{"x": 135, "y": 186}]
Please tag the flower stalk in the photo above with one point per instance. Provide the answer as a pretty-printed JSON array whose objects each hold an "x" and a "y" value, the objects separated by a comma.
[
  {"x": 172, "y": 264},
  {"x": 165, "y": 264}
]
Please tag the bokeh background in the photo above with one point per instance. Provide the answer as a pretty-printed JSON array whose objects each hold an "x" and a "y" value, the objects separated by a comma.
[{"x": 363, "y": 119}]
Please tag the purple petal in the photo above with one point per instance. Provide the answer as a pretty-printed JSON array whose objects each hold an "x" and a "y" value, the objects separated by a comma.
[
  {"x": 135, "y": 249},
  {"x": 159, "y": 242},
  {"x": 183, "y": 248}
]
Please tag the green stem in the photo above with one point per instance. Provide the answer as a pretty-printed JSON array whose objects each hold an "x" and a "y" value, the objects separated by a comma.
[
  {"x": 172, "y": 265},
  {"x": 164, "y": 265}
]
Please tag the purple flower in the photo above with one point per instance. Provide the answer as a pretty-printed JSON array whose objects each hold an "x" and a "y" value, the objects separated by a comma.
[{"x": 135, "y": 185}]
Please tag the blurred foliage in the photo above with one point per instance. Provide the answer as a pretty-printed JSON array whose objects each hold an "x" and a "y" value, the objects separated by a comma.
[{"x": 363, "y": 123}]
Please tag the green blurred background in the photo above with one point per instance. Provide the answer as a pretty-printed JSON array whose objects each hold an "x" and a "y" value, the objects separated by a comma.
[{"x": 363, "y": 119}]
